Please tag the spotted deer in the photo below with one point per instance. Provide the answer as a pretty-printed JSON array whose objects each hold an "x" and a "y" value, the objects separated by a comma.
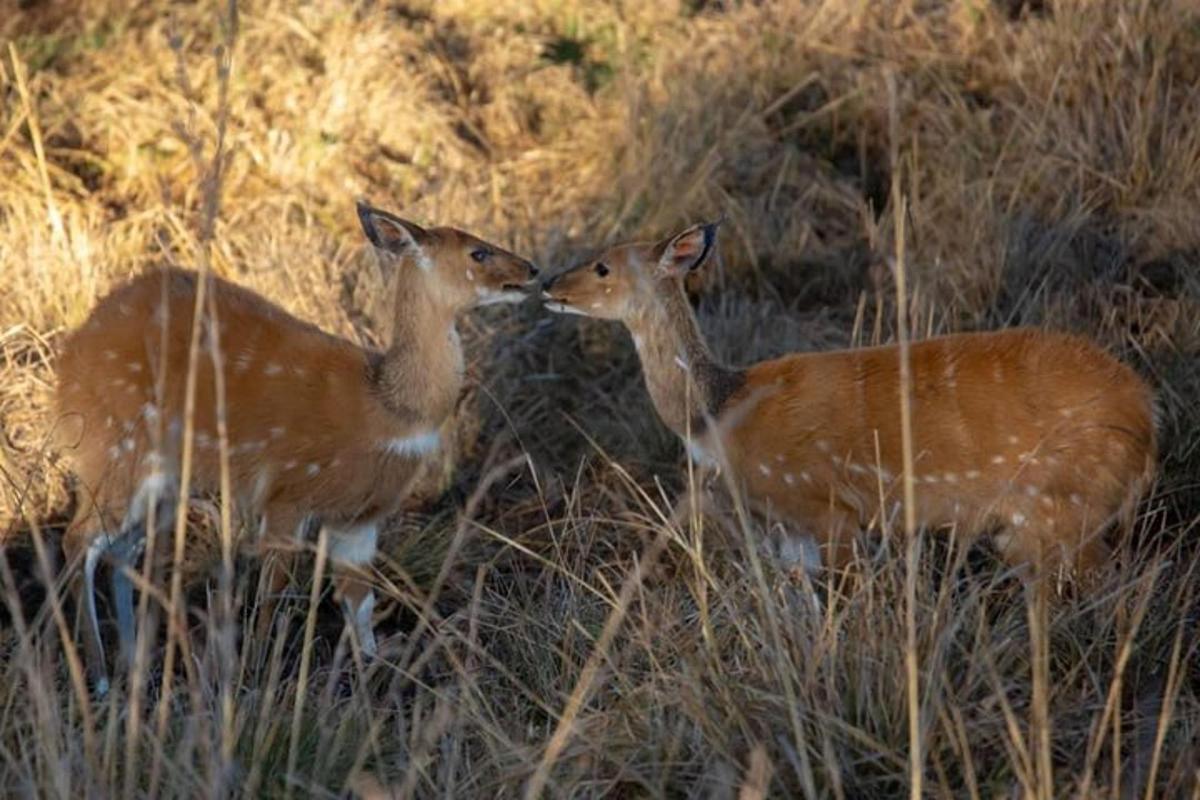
[
  {"x": 1040, "y": 438},
  {"x": 320, "y": 431}
]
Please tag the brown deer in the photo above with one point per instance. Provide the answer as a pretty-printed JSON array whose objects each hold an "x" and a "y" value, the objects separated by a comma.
[
  {"x": 320, "y": 430},
  {"x": 1041, "y": 438}
]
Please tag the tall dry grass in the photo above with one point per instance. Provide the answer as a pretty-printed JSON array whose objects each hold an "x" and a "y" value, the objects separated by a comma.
[{"x": 552, "y": 616}]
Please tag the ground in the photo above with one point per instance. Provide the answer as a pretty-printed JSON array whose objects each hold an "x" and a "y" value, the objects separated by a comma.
[{"x": 1049, "y": 160}]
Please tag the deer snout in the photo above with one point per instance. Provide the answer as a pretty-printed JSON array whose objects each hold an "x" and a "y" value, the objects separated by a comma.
[{"x": 549, "y": 282}]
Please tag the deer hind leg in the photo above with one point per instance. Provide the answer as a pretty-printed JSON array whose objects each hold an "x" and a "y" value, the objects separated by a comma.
[
  {"x": 84, "y": 544},
  {"x": 1053, "y": 537},
  {"x": 156, "y": 492},
  {"x": 352, "y": 549}
]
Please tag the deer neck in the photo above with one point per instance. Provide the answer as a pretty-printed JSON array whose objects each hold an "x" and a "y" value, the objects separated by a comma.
[
  {"x": 420, "y": 374},
  {"x": 688, "y": 386}
]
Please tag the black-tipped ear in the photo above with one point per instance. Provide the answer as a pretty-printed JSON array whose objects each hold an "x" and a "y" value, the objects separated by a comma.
[
  {"x": 688, "y": 250},
  {"x": 389, "y": 232}
]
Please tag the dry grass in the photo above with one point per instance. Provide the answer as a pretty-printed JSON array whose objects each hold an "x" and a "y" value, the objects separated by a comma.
[{"x": 1050, "y": 163}]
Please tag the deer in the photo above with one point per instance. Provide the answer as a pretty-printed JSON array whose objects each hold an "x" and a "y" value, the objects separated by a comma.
[
  {"x": 1041, "y": 440},
  {"x": 320, "y": 431}
]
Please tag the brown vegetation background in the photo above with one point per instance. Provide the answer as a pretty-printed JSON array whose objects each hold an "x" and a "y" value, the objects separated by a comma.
[{"x": 1049, "y": 154}]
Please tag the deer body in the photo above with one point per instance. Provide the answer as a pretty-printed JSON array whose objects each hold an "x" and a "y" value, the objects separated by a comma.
[
  {"x": 319, "y": 430},
  {"x": 1038, "y": 437}
]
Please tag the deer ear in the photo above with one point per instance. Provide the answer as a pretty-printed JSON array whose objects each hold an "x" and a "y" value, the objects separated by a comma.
[
  {"x": 687, "y": 250},
  {"x": 393, "y": 234}
]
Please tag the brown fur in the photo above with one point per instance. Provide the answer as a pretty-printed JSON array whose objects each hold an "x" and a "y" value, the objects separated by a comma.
[
  {"x": 308, "y": 412},
  {"x": 1041, "y": 437}
]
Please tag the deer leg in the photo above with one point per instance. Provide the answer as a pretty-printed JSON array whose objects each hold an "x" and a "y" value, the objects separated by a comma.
[
  {"x": 352, "y": 550},
  {"x": 280, "y": 533},
  {"x": 158, "y": 491},
  {"x": 83, "y": 546}
]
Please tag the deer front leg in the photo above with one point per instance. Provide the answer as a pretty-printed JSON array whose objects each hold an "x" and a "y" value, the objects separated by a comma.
[{"x": 352, "y": 549}]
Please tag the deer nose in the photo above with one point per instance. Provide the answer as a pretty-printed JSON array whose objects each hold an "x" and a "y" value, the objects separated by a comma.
[
  {"x": 533, "y": 271},
  {"x": 548, "y": 282}
]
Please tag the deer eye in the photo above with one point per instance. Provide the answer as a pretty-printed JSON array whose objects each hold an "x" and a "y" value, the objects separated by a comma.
[
  {"x": 481, "y": 254},
  {"x": 601, "y": 269}
]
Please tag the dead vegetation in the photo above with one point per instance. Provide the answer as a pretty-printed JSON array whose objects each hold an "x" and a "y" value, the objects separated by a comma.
[{"x": 1050, "y": 162}]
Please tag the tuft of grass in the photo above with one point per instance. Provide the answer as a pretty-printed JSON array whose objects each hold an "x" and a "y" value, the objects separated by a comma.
[{"x": 1050, "y": 169}]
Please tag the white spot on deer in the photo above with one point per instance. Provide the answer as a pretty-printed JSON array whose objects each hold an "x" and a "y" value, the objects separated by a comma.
[
  {"x": 1076, "y": 499},
  {"x": 277, "y": 431},
  {"x": 1012, "y": 439},
  {"x": 779, "y": 458},
  {"x": 312, "y": 469},
  {"x": 353, "y": 546},
  {"x": 596, "y": 304},
  {"x": 1003, "y": 540},
  {"x": 117, "y": 383},
  {"x": 1032, "y": 490},
  {"x": 1067, "y": 412},
  {"x": 997, "y": 459},
  {"x": 608, "y": 290},
  {"x": 764, "y": 469},
  {"x": 1047, "y": 501},
  {"x": 471, "y": 275},
  {"x": 972, "y": 474},
  {"x": 417, "y": 444},
  {"x": 336, "y": 462},
  {"x": 127, "y": 444},
  {"x": 823, "y": 445},
  {"x": 110, "y": 355},
  {"x": 931, "y": 479},
  {"x": 114, "y": 453},
  {"x": 951, "y": 375},
  {"x": 134, "y": 366},
  {"x": 789, "y": 479},
  {"x": 108, "y": 421},
  {"x": 149, "y": 412},
  {"x": 299, "y": 371},
  {"x": 1051, "y": 461},
  {"x": 1018, "y": 519},
  {"x": 950, "y": 477},
  {"x": 241, "y": 362},
  {"x": 273, "y": 369},
  {"x": 125, "y": 309},
  {"x": 290, "y": 464},
  {"x": 131, "y": 388},
  {"x": 804, "y": 476}
]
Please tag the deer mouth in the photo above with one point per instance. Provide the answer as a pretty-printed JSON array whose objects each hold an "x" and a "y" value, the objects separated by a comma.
[{"x": 560, "y": 305}]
